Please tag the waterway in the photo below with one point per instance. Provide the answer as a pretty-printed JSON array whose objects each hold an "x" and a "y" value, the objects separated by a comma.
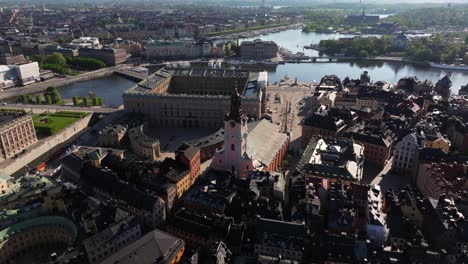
[
  {"x": 110, "y": 88},
  {"x": 295, "y": 39}
]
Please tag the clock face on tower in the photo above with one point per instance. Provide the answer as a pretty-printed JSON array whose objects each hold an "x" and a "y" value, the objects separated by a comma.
[{"x": 232, "y": 123}]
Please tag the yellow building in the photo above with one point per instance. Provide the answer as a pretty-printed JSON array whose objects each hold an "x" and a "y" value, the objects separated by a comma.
[{"x": 439, "y": 143}]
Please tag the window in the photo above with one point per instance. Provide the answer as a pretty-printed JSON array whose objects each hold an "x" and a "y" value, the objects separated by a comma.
[{"x": 232, "y": 147}]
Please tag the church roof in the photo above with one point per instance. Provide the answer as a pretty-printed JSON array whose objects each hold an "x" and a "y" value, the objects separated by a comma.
[{"x": 264, "y": 141}]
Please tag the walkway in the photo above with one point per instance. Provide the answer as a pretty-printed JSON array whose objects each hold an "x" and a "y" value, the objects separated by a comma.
[{"x": 55, "y": 108}]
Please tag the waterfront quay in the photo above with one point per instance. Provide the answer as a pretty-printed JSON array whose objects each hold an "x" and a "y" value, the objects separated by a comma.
[{"x": 42, "y": 86}]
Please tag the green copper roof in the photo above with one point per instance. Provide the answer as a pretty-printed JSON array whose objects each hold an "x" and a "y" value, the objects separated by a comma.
[{"x": 39, "y": 221}]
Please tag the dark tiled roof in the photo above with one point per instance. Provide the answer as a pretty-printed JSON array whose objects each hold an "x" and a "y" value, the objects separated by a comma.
[{"x": 109, "y": 182}]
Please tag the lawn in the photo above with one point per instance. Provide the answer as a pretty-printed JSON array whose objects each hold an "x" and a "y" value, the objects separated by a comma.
[{"x": 54, "y": 122}]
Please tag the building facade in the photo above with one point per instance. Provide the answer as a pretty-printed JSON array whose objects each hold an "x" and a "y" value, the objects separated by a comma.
[
  {"x": 16, "y": 133},
  {"x": 112, "y": 239},
  {"x": 165, "y": 49},
  {"x": 32, "y": 234},
  {"x": 142, "y": 144},
  {"x": 405, "y": 155},
  {"x": 258, "y": 49},
  {"x": 168, "y": 249},
  {"x": 435, "y": 179},
  {"x": 332, "y": 160},
  {"x": 195, "y": 98},
  {"x": 112, "y": 135},
  {"x": 110, "y": 56}
]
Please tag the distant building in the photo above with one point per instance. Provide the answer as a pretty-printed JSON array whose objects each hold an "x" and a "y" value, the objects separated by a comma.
[
  {"x": 16, "y": 133},
  {"x": 258, "y": 49},
  {"x": 86, "y": 42},
  {"x": 363, "y": 18},
  {"x": 112, "y": 239},
  {"x": 156, "y": 247},
  {"x": 10, "y": 59},
  {"x": 165, "y": 49},
  {"x": 401, "y": 41},
  {"x": 109, "y": 56},
  {"x": 332, "y": 160}
]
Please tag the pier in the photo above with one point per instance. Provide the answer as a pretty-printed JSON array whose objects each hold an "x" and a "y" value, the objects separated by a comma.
[{"x": 306, "y": 59}]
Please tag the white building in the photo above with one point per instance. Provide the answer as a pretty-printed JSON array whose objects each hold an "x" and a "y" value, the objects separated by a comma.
[
  {"x": 28, "y": 73},
  {"x": 86, "y": 42},
  {"x": 23, "y": 74},
  {"x": 164, "y": 49},
  {"x": 377, "y": 229},
  {"x": 405, "y": 154},
  {"x": 7, "y": 76}
]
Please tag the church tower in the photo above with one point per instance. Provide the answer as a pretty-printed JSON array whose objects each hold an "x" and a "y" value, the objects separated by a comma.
[
  {"x": 235, "y": 136},
  {"x": 234, "y": 156}
]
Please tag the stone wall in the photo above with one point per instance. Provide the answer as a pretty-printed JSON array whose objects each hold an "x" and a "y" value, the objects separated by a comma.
[{"x": 42, "y": 146}]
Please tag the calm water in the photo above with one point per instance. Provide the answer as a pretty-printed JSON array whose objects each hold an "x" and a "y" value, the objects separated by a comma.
[
  {"x": 110, "y": 88},
  {"x": 294, "y": 40}
]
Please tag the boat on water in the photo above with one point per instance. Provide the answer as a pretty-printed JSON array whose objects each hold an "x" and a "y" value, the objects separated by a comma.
[{"x": 459, "y": 67}]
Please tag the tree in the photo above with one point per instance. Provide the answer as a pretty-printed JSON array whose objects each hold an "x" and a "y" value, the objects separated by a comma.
[
  {"x": 75, "y": 101},
  {"x": 24, "y": 99},
  {"x": 48, "y": 99},
  {"x": 85, "y": 63},
  {"x": 86, "y": 102},
  {"x": 54, "y": 94},
  {"x": 38, "y": 58},
  {"x": 38, "y": 99},
  {"x": 465, "y": 59},
  {"x": 56, "y": 58},
  {"x": 95, "y": 101},
  {"x": 363, "y": 54},
  {"x": 62, "y": 40},
  {"x": 56, "y": 68}
]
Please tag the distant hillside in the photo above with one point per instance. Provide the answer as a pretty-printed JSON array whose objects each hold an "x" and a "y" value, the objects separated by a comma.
[{"x": 456, "y": 16}]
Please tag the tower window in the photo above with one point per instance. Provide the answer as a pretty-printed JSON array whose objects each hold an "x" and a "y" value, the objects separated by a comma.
[{"x": 232, "y": 147}]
